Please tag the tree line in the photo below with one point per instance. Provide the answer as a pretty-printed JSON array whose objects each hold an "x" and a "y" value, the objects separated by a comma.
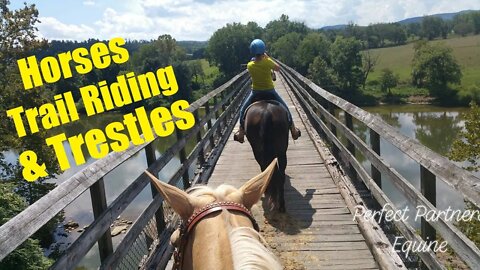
[
  {"x": 381, "y": 35},
  {"x": 339, "y": 63}
]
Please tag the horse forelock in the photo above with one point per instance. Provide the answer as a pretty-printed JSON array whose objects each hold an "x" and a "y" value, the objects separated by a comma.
[
  {"x": 220, "y": 193},
  {"x": 248, "y": 247},
  {"x": 250, "y": 251}
]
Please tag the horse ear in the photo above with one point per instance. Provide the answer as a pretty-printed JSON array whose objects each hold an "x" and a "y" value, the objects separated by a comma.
[
  {"x": 179, "y": 200},
  {"x": 253, "y": 189}
]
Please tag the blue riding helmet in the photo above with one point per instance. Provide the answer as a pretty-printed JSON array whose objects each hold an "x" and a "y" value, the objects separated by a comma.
[{"x": 257, "y": 47}]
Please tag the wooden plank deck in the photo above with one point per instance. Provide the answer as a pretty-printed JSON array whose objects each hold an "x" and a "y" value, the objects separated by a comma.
[{"x": 318, "y": 231}]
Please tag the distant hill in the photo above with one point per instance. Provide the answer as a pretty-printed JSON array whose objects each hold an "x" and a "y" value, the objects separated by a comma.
[
  {"x": 334, "y": 27},
  {"x": 444, "y": 16}
]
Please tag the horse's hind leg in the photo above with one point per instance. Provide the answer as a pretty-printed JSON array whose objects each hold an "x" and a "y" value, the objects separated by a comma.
[{"x": 282, "y": 165}]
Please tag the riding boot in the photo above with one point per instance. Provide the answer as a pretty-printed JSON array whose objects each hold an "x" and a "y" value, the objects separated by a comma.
[
  {"x": 296, "y": 133},
  {"x": 239, "y": 135}
]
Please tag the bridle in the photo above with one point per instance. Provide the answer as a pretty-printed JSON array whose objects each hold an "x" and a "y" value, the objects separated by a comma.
[{"x": 200, "y": 214}]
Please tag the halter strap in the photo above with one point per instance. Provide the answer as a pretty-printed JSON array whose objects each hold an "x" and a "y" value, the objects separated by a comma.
[{"x": 200, "y": 214}]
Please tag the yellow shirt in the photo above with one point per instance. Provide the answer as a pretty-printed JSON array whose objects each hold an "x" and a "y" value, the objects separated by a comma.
[{"x": 261, "y": 74}]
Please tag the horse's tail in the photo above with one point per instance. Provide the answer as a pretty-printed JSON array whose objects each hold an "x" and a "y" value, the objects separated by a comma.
[
  {"x": 266, "y": 133},
  {"x": 266, "y": 128}
]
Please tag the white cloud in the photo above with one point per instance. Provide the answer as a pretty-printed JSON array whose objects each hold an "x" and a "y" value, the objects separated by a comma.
[
  {"x": 52, "y": 28},
  {"x": 88, "y": 3},
  {"x": 197, "y": 20}
]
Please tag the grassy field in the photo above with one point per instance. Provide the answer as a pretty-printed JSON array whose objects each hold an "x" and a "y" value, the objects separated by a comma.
[
  {"x": 399, "y": 59},
  {"x": 210, "y": 73}
]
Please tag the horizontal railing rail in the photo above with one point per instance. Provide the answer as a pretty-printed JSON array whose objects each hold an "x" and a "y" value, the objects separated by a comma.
[
  {"x": 320, "y": 107},
  {"x": 219, "y": 119}
]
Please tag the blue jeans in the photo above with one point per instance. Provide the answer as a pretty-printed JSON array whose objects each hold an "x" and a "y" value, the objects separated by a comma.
[{"x": 262, "y": 95}]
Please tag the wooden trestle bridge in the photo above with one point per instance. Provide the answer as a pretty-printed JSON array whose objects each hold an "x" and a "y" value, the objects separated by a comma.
[{"x": 325, "y": 183}]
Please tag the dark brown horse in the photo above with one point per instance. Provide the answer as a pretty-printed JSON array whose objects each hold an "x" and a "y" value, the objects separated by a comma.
[{"x": 267, "y": 127}]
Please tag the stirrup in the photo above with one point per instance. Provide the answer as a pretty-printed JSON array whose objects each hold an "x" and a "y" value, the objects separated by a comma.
[{"x": 238, "y": 138}]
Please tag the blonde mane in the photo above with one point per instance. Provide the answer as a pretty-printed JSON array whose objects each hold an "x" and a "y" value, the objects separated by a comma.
[
  {"x": 251, "y": 251},
  {"x": 249, "y": 248}
]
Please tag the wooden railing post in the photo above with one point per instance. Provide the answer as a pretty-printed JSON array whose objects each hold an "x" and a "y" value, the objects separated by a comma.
[
  {"x": 217, "y": 114},
  {"x": 350, "y": 145},
  {"x": 159, "y": 216},
  {"x": 183, "y": 157},
  {"x": 224, "y": 105},
  {"x": 201, "y": 154},
  {"x": 99, "y": 204},
  {"x": 209, "y": 124},
  {"x": 375, "y": 144},
  {"x": 349, "y": 124},
  {"x": 333, "y": 128},
  {"x": 428, "y": 188}
]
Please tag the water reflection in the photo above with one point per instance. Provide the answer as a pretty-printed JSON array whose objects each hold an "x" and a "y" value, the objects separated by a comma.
[
  {"x": 80, "y": 210},
  {"x": 437, "y": 131},
  {"x": 434, "y": 127}
]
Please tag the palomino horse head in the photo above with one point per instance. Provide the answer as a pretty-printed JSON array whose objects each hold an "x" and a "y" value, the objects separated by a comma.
[{"x": 224, "y": 239}]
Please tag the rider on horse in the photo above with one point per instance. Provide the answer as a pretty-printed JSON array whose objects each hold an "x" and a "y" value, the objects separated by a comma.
[{"x": 262, "y": 86}]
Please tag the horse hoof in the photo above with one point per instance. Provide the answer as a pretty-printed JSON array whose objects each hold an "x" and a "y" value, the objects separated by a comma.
[{"x": 237, "y": 138}]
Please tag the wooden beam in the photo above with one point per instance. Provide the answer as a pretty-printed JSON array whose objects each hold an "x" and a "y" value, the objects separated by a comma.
[
  {"x": 159, "y": 215},
  {"x": 462, "y": 245},
  {"x": 350, "y": 145},
  {"x": 456, "y": 177},
  {"x": 99, "y": 205},
  {"x": 428, "y": 187},
  {"x": 376, "y": 240},
  {"x": 375, "y": 144}
]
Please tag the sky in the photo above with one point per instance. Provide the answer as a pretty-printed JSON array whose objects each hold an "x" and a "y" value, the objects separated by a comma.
[{"x": 198, "y": 20}]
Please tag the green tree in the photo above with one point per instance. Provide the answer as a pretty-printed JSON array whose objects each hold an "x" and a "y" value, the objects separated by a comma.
[
  {"x": 314, "y": 44},
  {"x": 388, "y": 80},
  {"x": 475, "y": 19},
  {"x": 197, "y": 70},
  {"x": 346, "y": 62},
  {"x": 18, "y": 40},
  {"x": 433, "y": 27},
  {"x": 381, "y": 34},
  {"x": 229, "y": 46},
  {"x": 28, "y": 255},
  {"x": 321, "y": 74},
  {"x": 276, "y": 29},
  {"x": 466, "y": 148},
  {"x": 369, "y": 61},
  {"x": 463, "y": 28},
  {"x": 434, "y": 67},
  {"x": 413, "y": 30},
  {"x": 354, "y": 31},
  {"x": 161, "y": 52},
  {"x": 467, "y": 145},
  {"x": 469, "y": 94},
  {"x": 469, "y": 21},
  {"x": 285, "y": 47}
]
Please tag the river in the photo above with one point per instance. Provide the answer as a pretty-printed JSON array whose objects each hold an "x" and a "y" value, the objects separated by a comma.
[{"x": 435, "y": 127}]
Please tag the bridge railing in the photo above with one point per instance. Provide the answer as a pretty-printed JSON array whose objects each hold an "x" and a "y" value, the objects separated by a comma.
[
  {"x": 320, "y": 107},
  {"x": 149, "y": 233}
]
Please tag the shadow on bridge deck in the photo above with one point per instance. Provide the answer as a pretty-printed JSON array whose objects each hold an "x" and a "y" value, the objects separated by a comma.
[{"x": 318, "y": 231}]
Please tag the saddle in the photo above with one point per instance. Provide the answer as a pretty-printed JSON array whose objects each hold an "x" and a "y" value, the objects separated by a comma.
[{"x": 269, "y": 98}]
